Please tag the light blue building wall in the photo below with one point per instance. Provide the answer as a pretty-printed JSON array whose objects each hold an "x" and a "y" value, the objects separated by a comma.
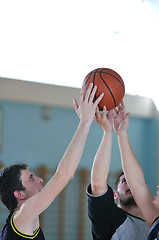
[{"x": 28, "y": 137}]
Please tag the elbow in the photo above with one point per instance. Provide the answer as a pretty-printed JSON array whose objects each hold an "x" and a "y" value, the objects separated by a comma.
[
  {"x": 71, "y": 175},
  {"x": 68, "y": 175},
  {"x": 98, "y": 188},
  {"x": 65, "y": 172}
]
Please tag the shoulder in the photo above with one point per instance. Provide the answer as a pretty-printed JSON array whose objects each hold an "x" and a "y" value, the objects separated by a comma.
[{"x": 104, "y": 207}]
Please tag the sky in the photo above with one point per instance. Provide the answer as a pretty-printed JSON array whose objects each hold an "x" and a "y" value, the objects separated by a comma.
[{"x": 60, "y": 42}]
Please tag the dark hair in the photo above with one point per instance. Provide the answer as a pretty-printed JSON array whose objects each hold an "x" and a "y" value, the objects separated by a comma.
[
  {"x": 118, "y": 179},
  {"x": 9, "y": 182}
]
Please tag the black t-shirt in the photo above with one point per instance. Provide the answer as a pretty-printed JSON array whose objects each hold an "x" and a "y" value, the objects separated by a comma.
[
  {"x": 111, "y": 222},
  {"x": 154, "y": 231}
]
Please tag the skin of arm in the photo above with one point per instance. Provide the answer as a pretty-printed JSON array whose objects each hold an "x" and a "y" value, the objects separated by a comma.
[
  {"x": 35, "y": 205},
  {"x": 132, "y": 170},
  {"x": 101, "y": 163}
]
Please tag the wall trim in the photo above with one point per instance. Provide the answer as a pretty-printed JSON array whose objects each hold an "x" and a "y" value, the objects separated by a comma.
[{"x": 52, "y": 95}]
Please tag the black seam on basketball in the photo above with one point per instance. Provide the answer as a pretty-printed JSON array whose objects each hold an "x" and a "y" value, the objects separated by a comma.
[
  {"x": 115, "y": 78},
  {"x": 98, "y": 70},
  {"x": 94, "y": 81},
  {"x": 104, "y": 69},
  {"x": 88, "y": 77},
  {"x": 100, "y": 107},
  {"x": 108, "y": 89}
]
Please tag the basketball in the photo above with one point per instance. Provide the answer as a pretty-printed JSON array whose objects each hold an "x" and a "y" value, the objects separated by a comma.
[{"x": 110, "y": 83}]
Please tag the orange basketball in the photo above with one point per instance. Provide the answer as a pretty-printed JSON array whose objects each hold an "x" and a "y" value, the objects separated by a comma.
[{"x": 110, "y": 83}]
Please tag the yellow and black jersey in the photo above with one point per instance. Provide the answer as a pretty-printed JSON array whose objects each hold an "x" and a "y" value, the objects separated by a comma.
[{"x": 11, "y": 232}]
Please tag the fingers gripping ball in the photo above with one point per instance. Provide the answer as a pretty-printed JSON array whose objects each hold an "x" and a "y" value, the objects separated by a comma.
[{"x": 110, "y": 83}]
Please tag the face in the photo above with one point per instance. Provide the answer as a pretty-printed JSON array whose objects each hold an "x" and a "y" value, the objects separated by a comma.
[
  {"x": 32, "y": 184},
  {"x": 124, "y": 194}
]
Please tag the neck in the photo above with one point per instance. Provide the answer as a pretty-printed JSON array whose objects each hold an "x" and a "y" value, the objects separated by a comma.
[
  {"x": 20, "y": 203},
  {"x": 133, "y": 210}
]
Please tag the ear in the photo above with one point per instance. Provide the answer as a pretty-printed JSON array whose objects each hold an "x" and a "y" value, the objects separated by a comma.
[
  {"x": 19, "y": 195},
  {"x": 115, "y": 195}
]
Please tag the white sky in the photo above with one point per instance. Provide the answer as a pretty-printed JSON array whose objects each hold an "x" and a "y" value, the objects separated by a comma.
[{"x": 59, "y": 42}]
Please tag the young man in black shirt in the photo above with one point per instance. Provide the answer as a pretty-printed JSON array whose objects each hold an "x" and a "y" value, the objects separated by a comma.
[{"x": 110, "y": 221}]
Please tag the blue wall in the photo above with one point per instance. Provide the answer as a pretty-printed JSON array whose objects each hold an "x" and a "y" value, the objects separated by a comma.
[{"x": 28, "y": 137}]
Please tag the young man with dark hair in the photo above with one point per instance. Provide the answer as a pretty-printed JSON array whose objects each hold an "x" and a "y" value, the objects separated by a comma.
[
  {"x": 24, "y": 194},
  {"x": 147, "y": 203},
  {"x": 9, "y": 182},
  {"x": 110, "y": 221}
]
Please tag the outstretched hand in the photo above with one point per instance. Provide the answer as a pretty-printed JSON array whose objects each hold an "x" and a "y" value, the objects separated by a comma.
[
  {"x": 105, "y": 120},
  {"x": 87, "y": 107},
  {"x": 121, "y": 119}
]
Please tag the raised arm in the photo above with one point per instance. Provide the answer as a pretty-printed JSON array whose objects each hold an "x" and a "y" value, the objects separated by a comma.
[
  {"x": 67, "y": 166},
  {"x": 132, "y": 170},
  {"x": 101, "y": 164}
]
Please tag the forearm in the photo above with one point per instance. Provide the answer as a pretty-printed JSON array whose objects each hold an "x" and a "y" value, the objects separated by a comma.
[
  {"x": 65, "y": 171},
  {"x": 136, "y": 181},
  {"x": 131, "y": 167},
  {"x": 101, "y": 164},
  {"x": 73, "y": 154},
  {"x": 66, "y": 168}
]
